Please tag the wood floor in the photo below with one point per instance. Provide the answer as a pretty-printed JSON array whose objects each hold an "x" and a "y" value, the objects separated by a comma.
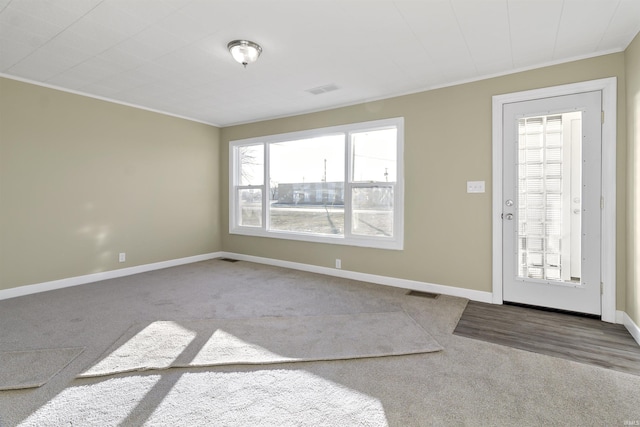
[{"x": 568, "y": 336}]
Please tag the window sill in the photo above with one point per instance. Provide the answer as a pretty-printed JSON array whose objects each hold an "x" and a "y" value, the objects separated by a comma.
[{"x": 366, "y": 242}]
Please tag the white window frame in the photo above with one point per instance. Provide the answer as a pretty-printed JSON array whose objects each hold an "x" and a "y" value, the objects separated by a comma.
[{"x": 396, "y": 242}]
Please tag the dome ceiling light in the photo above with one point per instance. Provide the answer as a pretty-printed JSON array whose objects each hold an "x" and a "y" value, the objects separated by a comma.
[{"x": 244, "y": 51}]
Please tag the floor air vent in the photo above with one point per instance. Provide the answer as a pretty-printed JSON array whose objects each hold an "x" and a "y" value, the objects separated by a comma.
[{"x": 423, "y": 294}]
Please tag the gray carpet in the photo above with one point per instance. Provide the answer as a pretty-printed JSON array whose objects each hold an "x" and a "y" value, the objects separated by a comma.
[
  {"x": 263, "y": 340},
  {"x": 33, "y": 368},
  {"x": 470, "y": 382}
]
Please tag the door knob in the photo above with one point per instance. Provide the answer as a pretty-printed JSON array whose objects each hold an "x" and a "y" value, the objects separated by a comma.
[{"x": 508, "y": 216}]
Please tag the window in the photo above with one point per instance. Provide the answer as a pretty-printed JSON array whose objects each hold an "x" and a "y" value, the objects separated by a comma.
[{"x": 340, "y": 185}]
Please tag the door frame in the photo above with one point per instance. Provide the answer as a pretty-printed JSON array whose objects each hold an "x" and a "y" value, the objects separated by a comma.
[{"x": 608, "y": 86}]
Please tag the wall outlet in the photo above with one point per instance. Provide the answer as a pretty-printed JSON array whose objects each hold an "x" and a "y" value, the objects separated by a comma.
[
  {"x": 122, "y": 257},
  {"x": 338, "y": 263},
  {"x": 475, "y": 186}
]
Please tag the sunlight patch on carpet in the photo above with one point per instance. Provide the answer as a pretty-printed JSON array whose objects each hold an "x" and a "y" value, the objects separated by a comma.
[
  {"x": 266, "y": 398},
  {"x": 263, "y": 340},
  {"x": 33, "y": 368},
  {"x": 283, "y": 398},
  {"x": 155, "y": 347},
  {"x": 104, "y": 403}
]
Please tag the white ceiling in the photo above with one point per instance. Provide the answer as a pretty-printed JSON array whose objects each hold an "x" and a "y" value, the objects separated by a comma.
[{"x": 171, "y": 55}]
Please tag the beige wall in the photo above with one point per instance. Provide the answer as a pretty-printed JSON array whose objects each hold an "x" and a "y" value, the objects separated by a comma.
[
  {"x": 82, "y": 180},
  {"x": 632, "y": 62},
  {"x": 447, "y": 142}
]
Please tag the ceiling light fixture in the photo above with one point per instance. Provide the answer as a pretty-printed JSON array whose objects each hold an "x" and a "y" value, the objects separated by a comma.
[{"x": 244, "y": 51}]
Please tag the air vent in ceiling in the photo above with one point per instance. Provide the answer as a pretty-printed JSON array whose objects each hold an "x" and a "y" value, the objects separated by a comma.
[{"x": 323, "y": 89}]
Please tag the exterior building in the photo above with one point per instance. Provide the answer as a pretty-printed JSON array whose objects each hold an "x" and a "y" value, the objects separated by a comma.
[{"x": 310, "y": 193}]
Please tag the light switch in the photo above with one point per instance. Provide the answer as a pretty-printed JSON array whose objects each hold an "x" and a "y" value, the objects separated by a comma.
[{"x": 475, "y": 186}]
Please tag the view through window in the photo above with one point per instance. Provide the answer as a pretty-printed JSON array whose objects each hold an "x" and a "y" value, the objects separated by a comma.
[{"x": 340, "y": 185}]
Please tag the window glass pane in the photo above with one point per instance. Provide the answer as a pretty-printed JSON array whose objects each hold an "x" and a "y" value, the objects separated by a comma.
[
  {"x": 250, "y": 207},
  {"x": 251, "y": 159},
  {"x": 315, "y": 219},
  {"x": 374, "y": 156},
  {"x": 308, "y": 160},
  {"x": 372, "y": 211},
  {"x": 307, "y": 185}
]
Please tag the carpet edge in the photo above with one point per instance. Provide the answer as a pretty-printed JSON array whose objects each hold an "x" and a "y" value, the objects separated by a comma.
[{"x": 36, "y": 384}]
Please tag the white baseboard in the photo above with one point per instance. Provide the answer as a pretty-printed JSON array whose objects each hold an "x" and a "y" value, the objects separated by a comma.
[
  {"x": 96, "y": 277},
  {"x": 631, "y": 326},
  {"x": 372, "y": 278}
]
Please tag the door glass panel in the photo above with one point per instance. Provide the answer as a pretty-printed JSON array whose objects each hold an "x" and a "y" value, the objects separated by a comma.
[{"x": 549, "y": 194}]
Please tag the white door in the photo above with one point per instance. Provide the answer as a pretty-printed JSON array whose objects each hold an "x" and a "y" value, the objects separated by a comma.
[{"x": 552, "y": 202}]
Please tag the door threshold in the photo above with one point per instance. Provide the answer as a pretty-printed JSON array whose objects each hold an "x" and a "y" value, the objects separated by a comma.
[{"x": 554, "y": 310}]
